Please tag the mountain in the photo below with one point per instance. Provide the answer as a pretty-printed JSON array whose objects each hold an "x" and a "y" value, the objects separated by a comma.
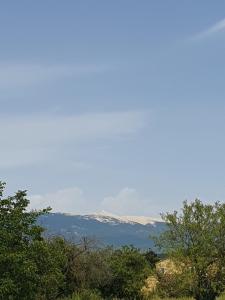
[{"x": 106, "y": 229}]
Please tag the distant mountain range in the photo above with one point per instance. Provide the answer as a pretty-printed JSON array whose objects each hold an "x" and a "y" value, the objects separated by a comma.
[{"x": 106, "y": 229}]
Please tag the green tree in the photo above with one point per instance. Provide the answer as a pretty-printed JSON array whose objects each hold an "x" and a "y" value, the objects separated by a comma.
[
  {"x": 151, "y": 257},
  {"x": 195, "y": 239},
  {"x": 25, "y": 258},
  {"x": 129, "y": 271},
  {"x": 88, "y": 267},
  {"x": 51, "y": 260}
]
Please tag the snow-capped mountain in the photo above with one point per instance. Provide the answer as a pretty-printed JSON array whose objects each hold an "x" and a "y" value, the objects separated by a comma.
[
  {"x": 106, "y": 228},
  {"x": 111, "y": 218}
]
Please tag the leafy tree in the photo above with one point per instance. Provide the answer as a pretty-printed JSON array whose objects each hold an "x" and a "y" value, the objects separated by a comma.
[
  {"x": 50, "y": 258},
  {"x": 151, "y": 257},
  {"x": 129, "y": 272},
  {"x": 27, "y": 262},
  {"x": 88, "y": 268},
  {"x": 195, "y": 239}
]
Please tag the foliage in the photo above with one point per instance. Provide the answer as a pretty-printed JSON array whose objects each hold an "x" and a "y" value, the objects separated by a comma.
[
  {"x": 51, "y": 260},
  {"x": 129, "y": 271},
  {"x": 85, "y": 295},
  {"x": 172, "y": 285},
  {"x": 28, "y": 266},
  {"x": 87, "y": 269},
  {"x": 151, "y": 257},
  {"x": 195, "y": 239}
]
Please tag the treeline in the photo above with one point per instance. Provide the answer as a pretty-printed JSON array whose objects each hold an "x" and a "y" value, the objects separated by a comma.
[
  {"x": 57, "y": 269},
  {"x": 35, "y": 268},
  {"x": 65, "y": 270}
]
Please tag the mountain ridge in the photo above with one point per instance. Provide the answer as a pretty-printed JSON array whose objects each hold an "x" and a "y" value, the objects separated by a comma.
[
  {"x": 108, "y": 230},
  {"x": 106, "y": 216}
]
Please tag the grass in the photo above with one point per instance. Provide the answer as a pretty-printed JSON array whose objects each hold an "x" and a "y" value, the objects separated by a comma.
[
  {"x": 185, "y": 298},
  {"x": 95, "y": 297}
]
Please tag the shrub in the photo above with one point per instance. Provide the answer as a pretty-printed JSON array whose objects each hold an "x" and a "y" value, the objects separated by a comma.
[
  {"x": 129, "y": 272},
  {"x": 197, "y": 236}
]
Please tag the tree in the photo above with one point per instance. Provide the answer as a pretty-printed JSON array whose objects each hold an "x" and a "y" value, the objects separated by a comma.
[
  {"x": 129, "y": 272},
  {"x": 195, "y": 239},
  {"x": 26, "y": 259},
  {"x": 151, "y": 257},
  {"x": 50, "y": 259},
  {"x": 88, "y": 267}
]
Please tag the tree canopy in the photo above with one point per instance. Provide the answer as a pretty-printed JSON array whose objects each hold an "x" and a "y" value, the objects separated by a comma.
[
  {"x": 196, "y": 240},
  {"x": 26, "y": 260}
]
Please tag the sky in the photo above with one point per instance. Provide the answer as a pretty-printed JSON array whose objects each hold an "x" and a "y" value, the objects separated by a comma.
[{"x": 115, "y": 106}]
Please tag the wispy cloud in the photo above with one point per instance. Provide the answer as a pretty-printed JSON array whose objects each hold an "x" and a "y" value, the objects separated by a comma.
[
  {"x": 68, "y": 200},
  {"x": 127, "y": 202},
  {"x": 73, "y": 200},
  {"x": 26, "y": 74},
  {"x": 28, "y": 139},
  {"x": 214, "y": 29}
]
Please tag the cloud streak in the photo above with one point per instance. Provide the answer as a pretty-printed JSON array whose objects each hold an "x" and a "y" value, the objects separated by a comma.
[
  {"x": 214, "y": 29},
  {"x": 36, "y": 138},
  {"x": 14, "y": 75}
]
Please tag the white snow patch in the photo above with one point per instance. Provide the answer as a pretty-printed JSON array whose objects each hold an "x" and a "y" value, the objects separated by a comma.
[{"x": 108, "y": 217}]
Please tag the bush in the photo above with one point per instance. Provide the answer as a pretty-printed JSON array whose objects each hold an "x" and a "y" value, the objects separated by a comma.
[
  {"x": 197, "y": 235},
  {"x": 129, "y": 272},
  {"x": 87, "y": 269},
  {"x": 174, "y": 279}
]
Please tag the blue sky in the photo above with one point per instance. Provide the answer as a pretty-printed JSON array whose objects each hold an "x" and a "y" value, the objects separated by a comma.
[{"x": 113, "y": 105}]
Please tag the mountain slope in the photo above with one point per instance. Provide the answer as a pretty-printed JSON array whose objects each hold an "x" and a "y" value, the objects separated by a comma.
[{"x": 107, "y": 230}]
